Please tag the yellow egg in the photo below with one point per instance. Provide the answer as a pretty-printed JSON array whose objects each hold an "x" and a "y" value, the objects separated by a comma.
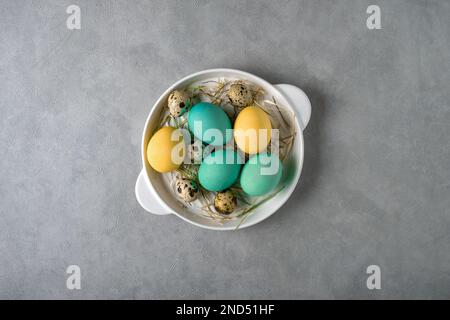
[
  {"x": 166, "y": 149},
  {"x": 252, "y": 130}
]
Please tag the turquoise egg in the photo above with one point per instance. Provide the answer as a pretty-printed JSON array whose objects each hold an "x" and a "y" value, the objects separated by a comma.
[
  {"x": 203, "y": 118},
  {"x": 219, "y": 170},
  {"x": 261, "y": 174}
]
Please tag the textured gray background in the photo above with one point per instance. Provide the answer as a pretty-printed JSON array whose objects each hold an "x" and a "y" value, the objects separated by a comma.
[{"x": 375, "y": 187}]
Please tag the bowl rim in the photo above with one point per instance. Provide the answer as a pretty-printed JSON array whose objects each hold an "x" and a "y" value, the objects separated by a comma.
[{"x": 276, "y": 205}]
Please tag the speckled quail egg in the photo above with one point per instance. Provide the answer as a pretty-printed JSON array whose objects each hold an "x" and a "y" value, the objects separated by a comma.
[
  {"x": 194, "y": 152},
  {"x": 225, "y": 202},
  {"x": 240, "y": 95},
  {"x": 178, "y": 102},
  {"x": 186, "y": 189}
]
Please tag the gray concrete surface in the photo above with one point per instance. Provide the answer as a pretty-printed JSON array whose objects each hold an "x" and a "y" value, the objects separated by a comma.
[{"x": 376, "y": 182}]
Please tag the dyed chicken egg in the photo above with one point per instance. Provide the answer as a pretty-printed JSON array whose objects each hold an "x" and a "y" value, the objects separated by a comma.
[
  {"x": 210, "y": 124},
  {"x": 261, "y": 174},
  {"x": 219, "y": 170},
  {"x": 252, "y": 130},
  {"x": 166, "y": 149}
]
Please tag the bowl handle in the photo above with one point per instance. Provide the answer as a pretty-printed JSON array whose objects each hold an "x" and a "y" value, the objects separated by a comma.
[
  {"x": 145, "y": 197},
  {"x": 299, "y": 101}
]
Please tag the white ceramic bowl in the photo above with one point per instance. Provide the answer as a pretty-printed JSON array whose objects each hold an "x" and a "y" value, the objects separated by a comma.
[{"x": 155, "y": 196}]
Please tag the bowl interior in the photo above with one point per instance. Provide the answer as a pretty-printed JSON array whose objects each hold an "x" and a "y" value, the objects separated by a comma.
[{"x": 160, "y": 182}]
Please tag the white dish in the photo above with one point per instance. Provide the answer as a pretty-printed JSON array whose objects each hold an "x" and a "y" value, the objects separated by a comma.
[{"x": 153, "y": 192}]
